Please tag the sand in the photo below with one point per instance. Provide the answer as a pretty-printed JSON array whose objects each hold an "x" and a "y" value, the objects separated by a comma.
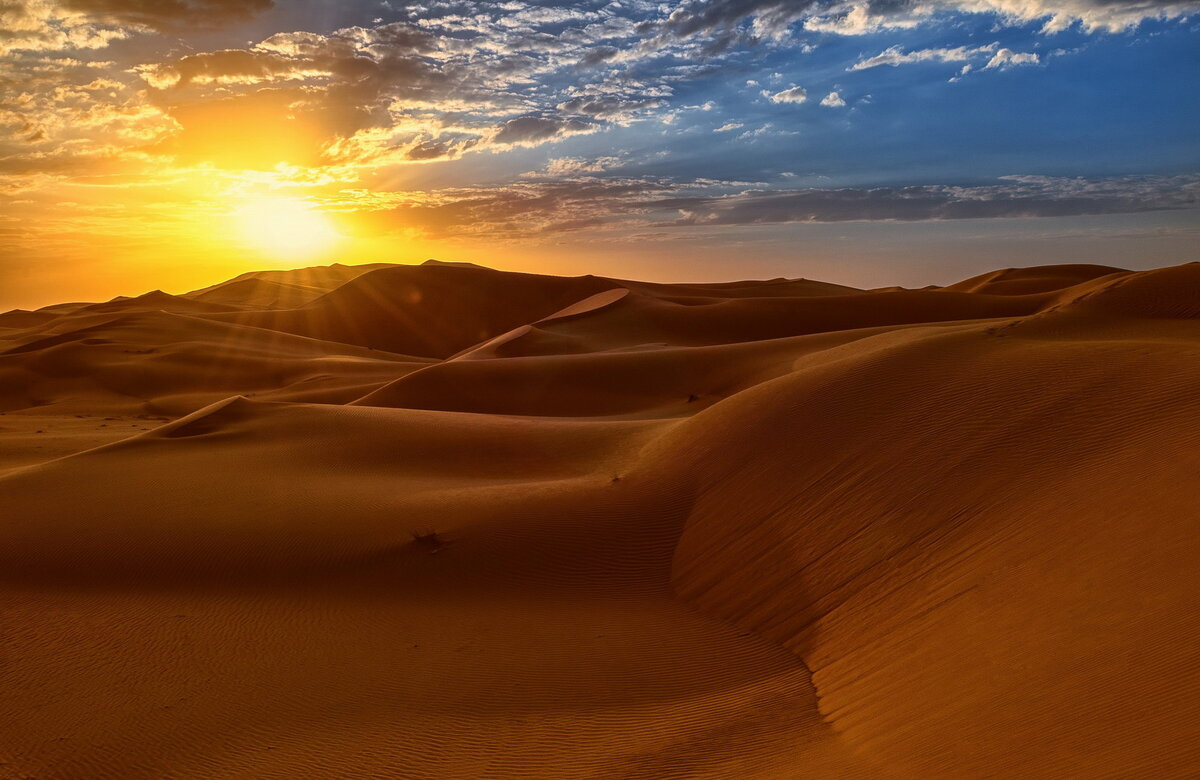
[{"x": 442, "y": 521}]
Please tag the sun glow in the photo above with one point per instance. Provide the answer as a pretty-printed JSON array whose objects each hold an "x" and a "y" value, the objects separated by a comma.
[{"x": 285, "y": 228}]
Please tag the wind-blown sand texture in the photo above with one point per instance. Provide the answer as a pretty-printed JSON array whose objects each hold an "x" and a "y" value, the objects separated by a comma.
[{"x": 449, "y": 522}]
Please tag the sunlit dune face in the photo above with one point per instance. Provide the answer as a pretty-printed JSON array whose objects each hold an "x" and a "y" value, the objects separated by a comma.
[{"x": 285, "y": 228}]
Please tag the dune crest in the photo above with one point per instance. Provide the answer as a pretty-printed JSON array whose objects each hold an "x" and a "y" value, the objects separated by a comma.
[{"x": 447, "y": 521}]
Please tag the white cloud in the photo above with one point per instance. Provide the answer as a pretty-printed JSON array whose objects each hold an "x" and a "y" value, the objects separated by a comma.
[
  {"x": 859, "y": 20},
  {"x": 772, "y": 18},
  {"x": 894, "y": 56},
  {"x": 766, "y": 130},
  {"x": 752, "y": 134},
  {"x": 999, "y": 58},
  {"x": 833, "y": 100},
  {"x": 962, "y": 73},
  {"x": 790, "y": 95},
  {"x": 1092, "y": 15},
  {"x": 1007, "y": 58},
  {"x": 725, "y": 128},
  {"x": 565, "y": 167}
]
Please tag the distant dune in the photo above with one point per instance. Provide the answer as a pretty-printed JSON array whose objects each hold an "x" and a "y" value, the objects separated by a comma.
[{"x": 443, "y": 521}]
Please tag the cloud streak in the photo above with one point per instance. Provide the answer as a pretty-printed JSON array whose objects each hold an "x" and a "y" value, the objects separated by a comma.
[
  {"x": 893, "y": 56},
  {"x": 533, "y": 209},
  {"x": 1015, "y": 197}
]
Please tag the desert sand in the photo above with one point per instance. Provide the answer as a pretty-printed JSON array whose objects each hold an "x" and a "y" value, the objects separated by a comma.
[{"x": 442, "y": 521}]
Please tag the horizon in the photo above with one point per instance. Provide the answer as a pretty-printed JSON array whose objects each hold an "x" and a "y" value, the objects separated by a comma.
[
  {"x": 871, "y": 144},
  {"x": 665, "y": 281}
]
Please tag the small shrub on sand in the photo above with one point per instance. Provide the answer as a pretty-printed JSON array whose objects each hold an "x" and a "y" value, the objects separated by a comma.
[{"x": 430, "y": 541}]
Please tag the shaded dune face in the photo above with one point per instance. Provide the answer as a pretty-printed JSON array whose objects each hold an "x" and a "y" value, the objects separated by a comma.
[
  {"x": 444, "y": 521},
  {"x": 1041, "y": 279},
  {"x": 971, "y": 542},
  {"x": 431, "y": 311}
]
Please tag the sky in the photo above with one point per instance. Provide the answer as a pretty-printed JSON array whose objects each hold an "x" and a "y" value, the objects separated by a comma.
[{"x": 174, "y": 143}]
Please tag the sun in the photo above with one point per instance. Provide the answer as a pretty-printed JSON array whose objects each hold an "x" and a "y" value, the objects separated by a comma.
[{"x": 285, "y": 227}]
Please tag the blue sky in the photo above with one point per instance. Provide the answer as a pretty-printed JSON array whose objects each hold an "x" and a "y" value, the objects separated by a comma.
[
  {"x": 872, "y": 142},
  {"x": 1095, "y": 105}
]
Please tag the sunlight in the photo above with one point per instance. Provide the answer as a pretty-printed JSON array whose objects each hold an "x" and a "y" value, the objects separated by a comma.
[{"x": 285, "y": 228}]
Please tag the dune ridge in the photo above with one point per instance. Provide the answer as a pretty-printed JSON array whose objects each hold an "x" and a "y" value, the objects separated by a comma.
[{"x": 445, "y": 521}]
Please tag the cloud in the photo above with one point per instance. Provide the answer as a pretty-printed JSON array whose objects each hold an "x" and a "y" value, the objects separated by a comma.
[
  {"x": 1091, "y": 15},
  {"x": 231, "y": 66},
  {"x": 597, "y": 55},
  {"x": 1007, "y": 58},
  {"x": 999, "y": 58},
  {"x": 728, "y": 127},
  {"x": 438, "y": 149},
  {"x": 568, "y": 167},
  {"x": 170, "y": 14},
  {"x": 564, "y": 166},
  {"x": 894, "y": 56},
  {"x": 520, "y": 210},
  {"x": 769, "y": 17},
  {"x": 543, "y": 208},
  {"x": 66, "y": 25},
  {"x": 361, "y": 97},
  {"x": 334, "y": 90},
  {"x": 833, "y": 100},
  {"x": 863, "y": 19},
  {"x": 790, "y": 95},
  {"x": 773, "y": 18},
  {"x": 72, "y": 117},
  {"x": 609, "y": 107},
  {"x": 43, "y": 25},
  {"x": 1016, "y": 196},
  {"x": 534, "y": 130}
]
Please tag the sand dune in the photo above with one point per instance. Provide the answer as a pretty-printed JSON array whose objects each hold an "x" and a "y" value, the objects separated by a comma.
[
  {"x": 260, "y": 294},
  {"x": 429, "y": 310},
  {"x": 448, "y": 522},
  {"x": 319, "y": 277},
  {"x": 1040, "y": 279}
]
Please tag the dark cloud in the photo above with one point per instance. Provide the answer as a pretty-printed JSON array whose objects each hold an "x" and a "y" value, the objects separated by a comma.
[
  {"x": 515, "y": 211},
  {"x": 696, "y": 17},
  {"x": 438, "y": 149},
  {"x": 1017, "y": 197},
  {"x": 535, "y": 208},
  {"x": 300, "y": 55},
  {"x": 402, "y": 37},
  {"x": 608, "y": 107},
  {"x": 597, "y": 55},
  {"x": 529, "y": 130},
  {"x": 227, "y": 65},
  {"x": 171, "y": 14}
]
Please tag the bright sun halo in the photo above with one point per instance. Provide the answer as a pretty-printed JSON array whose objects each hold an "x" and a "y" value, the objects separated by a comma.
[{"x": 285, "y": 227}]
